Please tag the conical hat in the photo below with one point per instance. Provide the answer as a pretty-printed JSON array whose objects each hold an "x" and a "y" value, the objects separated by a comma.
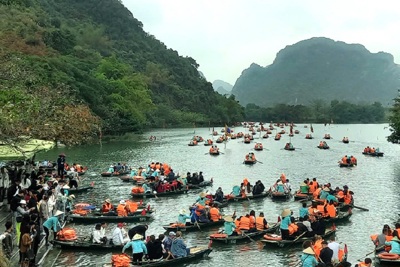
[
  {"x": 228, "y": 218},
  {"x": 203, "y": 194},
  {"x": 286, "y": 212},
  {"x": 137, "y": 237},
  {"x": 309, "y": 251}
]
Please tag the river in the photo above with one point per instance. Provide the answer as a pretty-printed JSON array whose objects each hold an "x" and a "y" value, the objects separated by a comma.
[{"x": 375, "y": 182}]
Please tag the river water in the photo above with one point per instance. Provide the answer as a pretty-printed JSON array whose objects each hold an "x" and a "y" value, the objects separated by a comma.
[{"x": 375, "y": 182}]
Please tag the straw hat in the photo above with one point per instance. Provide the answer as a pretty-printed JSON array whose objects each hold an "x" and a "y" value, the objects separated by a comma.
[
  {"x": 228, "y": 218},
  {"x": 107, "y": 200},
  {"x": 203, "y": 194},
  {"x": 309, "y": 251},
  {"x": 286, "y": 212},
  {"x": 303, "y": 184},
  {"x": 182, "y": 212},
  {"x": 58, "y": 212},
  {"x": 22, "y": 202},
  {"x": 111, "y": 166},
  {"x": 122, "y": 202},
  {"x": 137, "y": 237},
  {"x": 326, "y": 189}
]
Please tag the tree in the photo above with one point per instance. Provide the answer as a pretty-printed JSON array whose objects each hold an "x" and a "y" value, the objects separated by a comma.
[{"x": 394, "y": 119}]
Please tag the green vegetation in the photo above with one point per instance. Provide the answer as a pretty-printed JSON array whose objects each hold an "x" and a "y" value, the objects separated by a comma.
[
  {"x": 319, "y": 112},
  {"x": 320, "y": 68},
  {"x": 394, "y": 119},
  {"x": 71, "y": 70}
]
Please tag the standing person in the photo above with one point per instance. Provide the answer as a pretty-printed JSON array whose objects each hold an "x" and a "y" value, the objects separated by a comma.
[
  {"x": 178, "y": 247},
  {"x": 60, "y": 165},
  {"x": 19, "y": 214},
  {"x": 308, "y": 258},
  {"x": 26, "y": 242},
  {"x": 7, "y": 242},
  {"x": 335, "y": 248},
  {"x": 138, "y": 249},
  {"x": 326, "y": 254},
  {"x": 4, "y": 184},
  {"x": 138, "y": 229},
  {"x": 13, "y": 191},
  {"x": 284, "y": 227},
  {"x": 52, "y": 223},
  {"x": 43, "y": 209}
]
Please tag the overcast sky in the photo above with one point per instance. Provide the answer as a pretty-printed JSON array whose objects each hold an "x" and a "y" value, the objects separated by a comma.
[{"x": 226, "y": 36}]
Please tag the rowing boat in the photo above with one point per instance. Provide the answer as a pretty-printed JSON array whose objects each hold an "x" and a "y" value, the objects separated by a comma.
[
  {"x": 246, "y": 236},
  {"x": 80, "y": 245},
  {"x": 323, "y": 147},
  {"x": 191, "y": 226},
  {"x": 375, "y": 154},
  {"x": 347, "y": 165},
  {"x": 248, "y": 197},
  {"x": 249, "y": 161},
  {"x": 163, "y": 194},
  {"x": 79, "y": 189},
  {"x": 88, "y": 219},
  {"x": 341, "y": 216},
  {"x": 385, "y": 259},
  {"x": 109, "y": 174},
  {"x": 300, "y": 196},
  {"x": 272, "y": 239},
  {"x": 280, "y": 195},
  {"x": 202, "y": 184}
]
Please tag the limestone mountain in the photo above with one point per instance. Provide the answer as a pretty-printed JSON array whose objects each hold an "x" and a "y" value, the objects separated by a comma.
[
  {"x": 222, "y": 87},
  {"x": 320, "y": 68}
]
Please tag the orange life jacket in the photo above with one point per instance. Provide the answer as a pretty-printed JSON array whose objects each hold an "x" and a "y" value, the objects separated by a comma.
[
  {"x": 214, "y": 214},
  {"x": 293, "y": 228},
  {"x": 316, "y": 193},
  {"x": 347, "y": 198},
  {"x": 331, "y": 210},
  {"x": 321, "y": 209},
  {"x": 121, "y": 260},
  {"x": 131, "y": 206},
  {"x": 344, "y": 159},
  {"x": 244, "y": 223},
  {"x": 107, "y": 207},
  {"x": 260, "y": 223},
  {"x": 252, "y": 222},
  {"x": 362, "y": 264},
  {"x": 317, "y": 247},
  {"x": 199, "y": 209},
  {"x": 237, "y": 224},
  {"x": 67, "y": 234},
  {"x": 121, "y": 210}
]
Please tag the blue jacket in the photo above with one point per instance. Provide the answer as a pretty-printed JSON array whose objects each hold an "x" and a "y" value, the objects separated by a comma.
[
  {"x": 138, "y": 246},
  {"x": 308, "y": 260},
  {"x": 52, "y": 222},
  {"x": 395, "y": 247},
  {"x": 228, "y": 227},
  {"x": 236, "y": 190},
  {"x": 285, "y": 223},
  {"x": 303, "y": 212},
  {"x": 182, "y": 218},
  {"x": 178, "y": 248}
]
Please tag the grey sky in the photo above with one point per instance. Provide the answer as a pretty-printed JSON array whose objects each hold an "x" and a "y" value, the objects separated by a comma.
[{"x": 225, "y": 37}]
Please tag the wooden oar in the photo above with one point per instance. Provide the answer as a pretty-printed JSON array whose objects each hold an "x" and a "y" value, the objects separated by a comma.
[
  {"x": 378, "y": 248},
  {"x": 361, "y": 208},
  {"x": 260, "y": 162},
  {"x": 297, "y": 238},
  {"x": 197, "y": 224},
  {"x": 252, "y": 240}
]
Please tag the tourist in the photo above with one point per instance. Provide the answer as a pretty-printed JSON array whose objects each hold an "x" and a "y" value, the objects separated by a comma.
[
  {"x": 138, "y": 249},
  {"x": 52, "y": 223},
  {"x": 178, "y": 247}
]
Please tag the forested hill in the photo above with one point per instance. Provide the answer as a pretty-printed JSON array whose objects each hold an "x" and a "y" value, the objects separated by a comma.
[
  {"x": 320, "y": 68},
  {"x": 73, "y": 68}
]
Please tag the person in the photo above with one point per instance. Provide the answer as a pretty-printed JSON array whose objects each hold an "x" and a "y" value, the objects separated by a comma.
[
  {"x": 303, "y": 211},
  {"x": 200, "y": 178},
  {"x": 236, "y": 191},
  {"x": 229, "y": 226},
  {"x": 117, "y": 239},
  {"x": 138, "y": 249},
  {"x": 394, "y": 244},
  {"x": 138, "y": 229},
  {"x": 183, "y": 216},
  {"x": 19, "y": 214},
  {"x": 7, "y": 242},
  {"x": 25, "y": 244},
  {"x": 288, "y": 185},
  {"x": 202, "y": 198},
  {"x": 154, "y": 248},
  {"x": 103, "y": 226},
  {"x": 326, "y": 254},
  {"x": 60, "y": 165},
  {"x": 97, "y": 234},
  {"x": 304, "y": 187},
  {"x": 107, "y": 206},
  {"x": 215, "y": 215},
  {"x": 121, "y": 209},
  {"x": 335, "y": 248},
  {"x": 284, "y": 227},
  {"x": 178, "y": 247},
  {"x": 366, "y": 263},
  {"x": 261, "y": 222},
  {"x": 307, "y": 223},
  {"x": 308, "y": 258},
  {"x": 52, "y": 223},
  {"x": 167, "y": 242},
  {"x": 219, "y": 195}
]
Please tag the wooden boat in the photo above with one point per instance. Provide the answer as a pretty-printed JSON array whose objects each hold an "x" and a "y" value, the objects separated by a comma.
[
  {"x": 80, "y": 189},
  {"x": 192, "y": 144},
  {"x": 192, "y": 226},
  {"x": 214, "y": 152},
  {"x": 327, "y": 136},
  {"x": 233, "y": 136},
  {"x": 258, "y": 147},
  {"x": 346, "y": 165},
  {"x": 290, "y": 148},
  {"x": 345, "y": 141},
  {"x": 109, "y": 174},
  {"x": 239, "y": 198},
  {"x": 196, "y": 253},
  {"x": 163, "y": 194},
  {"x": 300, "y": 196},
  {"x": 291, "y": 135},
  {"x": 282, "y": 132},
  {"x": 200, "y": 185},
  {"x": 276, "y": 240},
  {"x": 88, "y": 219},
  {"x": 265, "y": 136},
  {"x": 309, "y": 137},
  {"x": 280, "y": 196},
  {"x": 323, "y": 147},
  {"x": 375, "y": 154},
  {"x": 277, "y": 137},
  {"x": 242, "y": 238},
  {"x": 341, "y": 216},
  {"x": 79, "y": 245},
  {"x": 249, "y": 161},
  {"x": 385, "y": 259},
  {"x": 296, "y": 131}
]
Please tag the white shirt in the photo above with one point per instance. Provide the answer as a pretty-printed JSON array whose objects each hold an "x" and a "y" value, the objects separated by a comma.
[
  {"x": 96, "y": 236},
  {"x": 308, "y": 225},
  {"x": 102, "y": 232},
  {"x": 117, "y": 237},
  {"x": 335, "y": 248}
]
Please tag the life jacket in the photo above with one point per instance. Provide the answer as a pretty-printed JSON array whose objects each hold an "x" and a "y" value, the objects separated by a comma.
[
  {"x": 340, "y": 254},
  {"x": 106, "y": 207},
  {"x": 199, "y": 209},
  {"x": 237, "y": 224},
  {"x": 362, "y": 264},
  {"x": 340, "y": 195},
  {"x": 321, "y": 209},
  {"x": 344, "y": 160},
  {"x": 81, "y": 212},
  {"x": 331, "y": 210},
  {"x": 244, "y": 223},
  {"x": 293, "y": 228},
  {"x": 137, "y": 190},
  {"x": 317, "y": 247},
  {"x": 252, "y": 222},
  {"x": 131, "y": 206},
  {"x": 67, "y": 234},
  {"x": 347, "y": 198},
  {"x": 121, "y": 210},
  {"x": 121, "y": 260},
  {"x": 260, "y": 223},
  {"x": 316, "y": 193},
  {"x": 214, "y": 214}
]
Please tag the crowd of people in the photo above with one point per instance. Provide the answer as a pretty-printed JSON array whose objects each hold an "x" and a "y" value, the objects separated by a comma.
[{"x": 348, "y": 160}]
